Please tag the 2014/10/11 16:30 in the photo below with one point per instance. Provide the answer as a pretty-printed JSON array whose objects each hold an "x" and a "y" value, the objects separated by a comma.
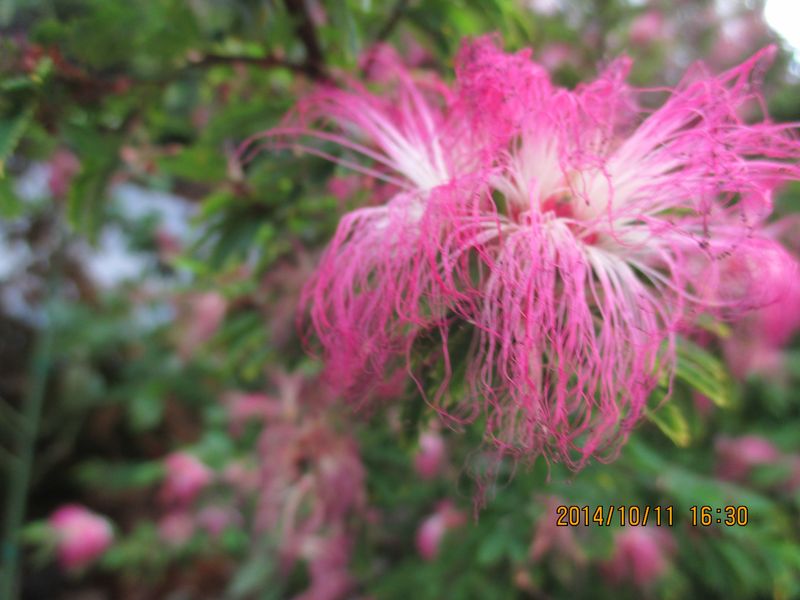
[{"x": 640, "y": 516}]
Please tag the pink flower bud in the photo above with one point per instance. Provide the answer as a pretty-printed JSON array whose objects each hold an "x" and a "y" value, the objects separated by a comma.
[
  {"x": 316, "y": 11},
  {"x": 738, "y": 36},
  {"x": 647, "y": 28},
  {"x": 430, "y": 457},
  {"x": 641, "y": 556},
  {"x": 793, "y": 481},
  {"x": 64, "y": 165},
  {"x": 169, "y": 246},
  {"x": 204, "y": 316},
  {"x": 736, "y": 457},
  {"x": 432, "y": 530},
  {"x": 702, "y": 404},
  {"x": 215, "y": 519},
  {"x": 176, "y": 528},
  {"x": 82, "y": 536},
  {"x": 244, "y": 407},
  {"x": 429, "y": 536},
  {"x": 241, "y": 477},
  {"x": 185, "y": 478},
  {"x": 556, "y": 55}
]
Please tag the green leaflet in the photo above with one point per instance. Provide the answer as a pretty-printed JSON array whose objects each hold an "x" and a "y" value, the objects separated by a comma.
[
  {"x": 11, "y": 132},
  {"x": 703, "y": 372},
  {"x": 672, "y": 422}
]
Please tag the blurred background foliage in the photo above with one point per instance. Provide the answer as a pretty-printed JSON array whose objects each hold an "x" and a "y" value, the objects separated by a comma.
[{"x": 148, "y": 283}]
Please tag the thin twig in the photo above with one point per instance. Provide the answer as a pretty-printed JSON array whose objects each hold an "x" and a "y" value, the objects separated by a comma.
[
  {"x": 266, "y": 62},
  {"x": 314, "y": 65},
  {"x": 386, "y": 30},
  {"x": 394, "y": 18}
]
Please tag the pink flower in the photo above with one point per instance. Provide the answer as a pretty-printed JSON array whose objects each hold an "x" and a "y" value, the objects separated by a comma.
[
  {"x": 647, "y": 28},
  {"x": 176, "y": 528},
  {"x": 615, "y": 225},
  {"x": 739, "y": 35},
  {"x": 316, "y": 12},
  {"x": 311, "y": 484},
  {"x": 342, "y": 188},
  {"x": 169, "y": 245},
  {"x": 756, "y": 342},
  {"x": 185, "y": 478},
  {"x": 556, "y": 55},
  {"x": 570, "y": 232},
  {"x": 380, "y": 60},
  {"x": 641, "y": 556},
  {"x": 736, "y": 457},
  {"x": 702, "y": 404},
  {"x": 792, "y": 483},
  {"x": 245, "y": 407},
  {"x": 364, "y": 300},
  {"x": 327, "y": 558},
  {"x": 433, "y": 528},
  {"x": 64, "y": 165},
  {"x": 241, "y": 477},
  {"x": 429, "y": 459},
  {"x": 204, "y": 314},
  {"x": 216, "y": 519},
  {"x": 82, "y": 536}
]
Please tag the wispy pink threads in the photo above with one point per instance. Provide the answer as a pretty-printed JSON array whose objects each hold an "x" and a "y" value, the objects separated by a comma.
[
  {"x": 614, "y": 223},
  {"x": 310, "y": 484},
  {"x": 757, "y": 341},
  {"x": 573, "y": 230}
]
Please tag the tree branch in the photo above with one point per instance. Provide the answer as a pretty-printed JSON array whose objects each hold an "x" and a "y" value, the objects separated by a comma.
[
  {"x": 266, "y": 62},
  {"x": 314, "y": 65},
  {"x": 386, "y": 30},
  {"x": 394, "y": 18}
]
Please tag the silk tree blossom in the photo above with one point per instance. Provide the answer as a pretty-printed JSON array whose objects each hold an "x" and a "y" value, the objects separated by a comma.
[
  {"x": 572, "y": 230},
  {"x": 376, "y": 286},
  {"x": 614, "y": 225}
]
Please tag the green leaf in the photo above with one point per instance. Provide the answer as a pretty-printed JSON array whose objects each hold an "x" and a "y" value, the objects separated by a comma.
[
  {"x": 10, "y": 204},
  {"x": 146, "y": 409},
  {"x": 703, "y": 372},
  {"x": 120, "y": 476},
  {"x": 11, "y": 132},
  {"x": 672, "y": 422},
  {"x": 87, "y": 195}
]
